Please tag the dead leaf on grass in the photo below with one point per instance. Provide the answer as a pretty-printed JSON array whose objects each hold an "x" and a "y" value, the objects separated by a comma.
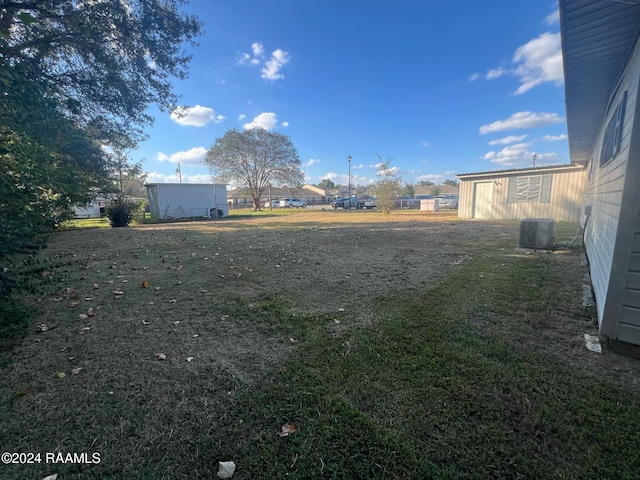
[
  {"x": 73, "y": 304},
  {"x": 46, "y": 273},
  {"x": 76, "y": 371},
  {"x": 161, "y": 356},
  {"x": 57, "y": 299},
  {"x": 51, "y": 477},
  {"x": 61, "y": 374},
  {"x": 173, "y": 300},
  {"x": 42, "y": 328},
  {"x": 189, "y": 359},
  {"x": 88, "y": 299},
  {"x": 145, "y": 284},
  {"x": 83, "y": 316},
  {"x": 287, "y": 429},
  {"x": 118, "y": 292},
  {"x": 95, "y": 286},
  {"x": 144, "y": 322},
  {"x": 91, "y": 312}
]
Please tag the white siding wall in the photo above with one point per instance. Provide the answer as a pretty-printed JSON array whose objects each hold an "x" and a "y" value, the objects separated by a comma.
[
  {"x": 186, "y": 200},
  {"x": 565, "y": 202},
  {"x": 604, "y": 194}
]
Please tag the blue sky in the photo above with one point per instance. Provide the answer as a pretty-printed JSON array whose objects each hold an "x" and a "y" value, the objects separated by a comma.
[{"x": 442, "y": 87}]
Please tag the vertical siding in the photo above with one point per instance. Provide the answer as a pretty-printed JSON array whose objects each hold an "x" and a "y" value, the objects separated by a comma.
[
  {"x": 190, "y": 199},
  {"x": 608, "y": 231},
  {"x": 565, "y": 201}
]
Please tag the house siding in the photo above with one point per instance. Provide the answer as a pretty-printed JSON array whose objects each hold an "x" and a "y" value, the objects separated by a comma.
[
  {"x": 565, "y": 196},
  {"x": 168, "y": 200},
  {"x": 612, "y": 232}
]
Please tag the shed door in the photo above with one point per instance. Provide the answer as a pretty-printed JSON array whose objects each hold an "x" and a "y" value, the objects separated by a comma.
[{"x": 482, "y": 195}]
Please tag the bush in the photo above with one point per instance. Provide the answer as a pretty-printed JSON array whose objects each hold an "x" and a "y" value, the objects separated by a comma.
[{"x": 120, "y": 212}]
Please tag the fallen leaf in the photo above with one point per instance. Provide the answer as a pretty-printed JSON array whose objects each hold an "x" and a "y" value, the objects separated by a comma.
[
  {"x": 173, "y": 301},
  {"x": 46, "y": 273},
  {"x": 156, "y": 288},
  {"x": 42, "y": 328},
  {"x": 144, "y": 322},
  {"x": 95, "y": 285},
  {"x": 177, "y": 322},
  {"x": 83, "y": 316},
  {"x": 57, "y": 299},
  {"x": 61, "y": 374},
  {"x": 145, "y": 284},
  {"x": 196, "y": 335},
  {"x": 76, "y": 371},
  {"x": 88, "y": 299},
  {"x": 189, "y": 359},
  {"x": 287, "y": 429},
  {"x": 73, "y": 304},
  {"x": 91, "y": 312},
  {"x": 161, "y": 356},
  {"x": 51, "y": 477},
  {"x": 118, "y": 292}
]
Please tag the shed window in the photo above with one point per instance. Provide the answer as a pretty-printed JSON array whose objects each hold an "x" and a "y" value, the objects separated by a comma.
[
  {"x": 534, "y": 188},
  {"x": 612, "y": 140}
]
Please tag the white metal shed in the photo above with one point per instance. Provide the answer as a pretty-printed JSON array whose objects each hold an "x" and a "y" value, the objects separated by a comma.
[{"x": 187, "y": 200}]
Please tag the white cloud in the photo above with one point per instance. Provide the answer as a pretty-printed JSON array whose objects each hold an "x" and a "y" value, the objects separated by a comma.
[
  {"x": 266, "y": 120},
  {"x": 554, "y": 138},
  {"x": 255, "y": 58},
  {"x": 387, "y": 171},
  {"x": 425, "y": 143},
  {"x": 220, "y": 118},
  {"x": 508, "y": 140},
  {"x": 311, "y": 161},
  {"x": 343, "y": 179},
  {"x": 242, "y": 116},
  {"x": 474, "y": 77},
  {"x": 496, "y": 73},
  {"x": 271, "y": 69},
  {"x": 431, "y": 177},
  {"x": 357, "y": 167},
  {"x": 285, "y": 124},
  {"x": 539, "y": 61},
  {"x": 553, "y": 18},
  {"x": 197, "y": 116},
  {"x": 156, "y": 177},
  {"x": 522, "y": 120},
  {"x": 257, "y": 49},
  {"x": 194, "y": 156},
  {"x": 520, "y": 156}
]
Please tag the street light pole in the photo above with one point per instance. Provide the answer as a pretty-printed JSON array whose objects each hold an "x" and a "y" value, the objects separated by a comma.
[
  {"x": 349, "y": 179},
  {"x": 534, "y": 157}
]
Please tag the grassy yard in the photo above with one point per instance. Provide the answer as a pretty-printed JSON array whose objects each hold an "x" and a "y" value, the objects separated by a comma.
[{"x": 409, "y": 346}]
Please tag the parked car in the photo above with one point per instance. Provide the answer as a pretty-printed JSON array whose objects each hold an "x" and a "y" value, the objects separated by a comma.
[
  {"x": 407, "y": 202},
  {"x": 274, "y": 203},
  {"x": 447, "y": 201},
  {"x": 292, "y": 202},
  {"x": 369, "y": 202},
  {"x": 347, "y": 203}
]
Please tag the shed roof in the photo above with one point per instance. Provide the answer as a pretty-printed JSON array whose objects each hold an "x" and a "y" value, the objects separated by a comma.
[
  {"x": 518, "y": 171},
  {"x": 598, "y": 37}
]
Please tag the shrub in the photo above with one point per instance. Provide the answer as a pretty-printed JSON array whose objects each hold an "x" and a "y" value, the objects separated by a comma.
[{"x": 120, "y": 212}]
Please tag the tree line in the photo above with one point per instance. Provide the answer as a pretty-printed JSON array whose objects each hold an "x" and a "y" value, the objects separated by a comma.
[{"x": 75, "y": 78}]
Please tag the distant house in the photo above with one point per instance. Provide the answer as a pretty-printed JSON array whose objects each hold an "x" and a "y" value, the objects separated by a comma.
[
  {"x": 542, "y": 192},
  {"x": 187, "y": 200},
  {"x": 94, "y": 209},
  {"x": 601, "y": 54}
]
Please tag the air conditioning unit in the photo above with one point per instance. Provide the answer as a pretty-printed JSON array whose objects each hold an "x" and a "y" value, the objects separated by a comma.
[{"x": 536, "y": 233}]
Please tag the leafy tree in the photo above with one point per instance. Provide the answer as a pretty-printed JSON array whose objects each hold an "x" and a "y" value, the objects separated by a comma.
[
  {"x": 388, "y": 187},
  {"x": 452, "y": 183},
  {"x": 435, "y": 191},
  {"x": 106, "y": 61},
  {"x": 409, "y": 190},
  {"x": 255, "y": 159},
  {"x": 425, "y": 183},
  {"x": 128, "y": 178},
  {"x": 327, "y": 183}
]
